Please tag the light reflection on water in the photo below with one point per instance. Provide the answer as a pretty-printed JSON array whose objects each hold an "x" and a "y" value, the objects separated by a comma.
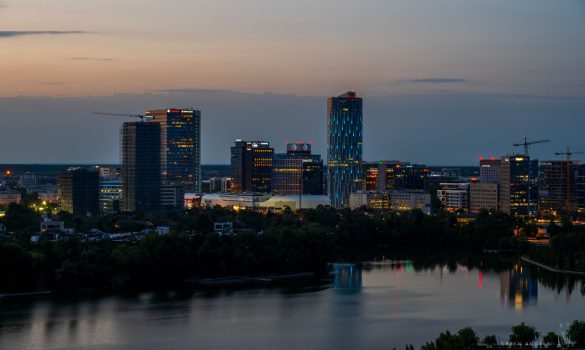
[{"x": 373, "y": 305}]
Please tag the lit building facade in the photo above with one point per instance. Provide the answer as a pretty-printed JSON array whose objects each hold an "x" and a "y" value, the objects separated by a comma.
[
  {"x": 180, "y": 153},
  {"x": 110, "y": 194},
  {"x": 393, "y": 175},
  {"x": 78, "y": 190},
  {"x": 255, "y": 201},
  {"x": 517, "y": 197},
  {"x": 344, "y": 147},
  {"x": 10, "y": 196},
  {"x": 399, "y": 201},
  {"x": 251, "y": 167},
  {"x": 141, "y": 175},
  {"x": 558, "y": 186},
  {"x": 297, "y": 171}
]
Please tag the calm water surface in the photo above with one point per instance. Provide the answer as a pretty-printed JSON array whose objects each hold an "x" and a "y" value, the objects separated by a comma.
[{"x": 375, "y": 307}]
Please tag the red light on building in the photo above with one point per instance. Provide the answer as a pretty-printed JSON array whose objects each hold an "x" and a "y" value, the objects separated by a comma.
[{"x": 480, "y": 158}]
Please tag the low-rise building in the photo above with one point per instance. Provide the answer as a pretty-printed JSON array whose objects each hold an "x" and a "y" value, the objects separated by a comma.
[
  {"x": 9, "y": 196},
  {"x": 454, "y": 196},
  {"x": 391, "y": 200},
  {"x": 245, "y": 201},
  {"x": 223, "y": 228}
]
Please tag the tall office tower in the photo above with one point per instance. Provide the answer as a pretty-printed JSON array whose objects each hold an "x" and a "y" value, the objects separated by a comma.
[
  {"x": 516, "y": 193},
  {"x": 180, "y": 156},
  {"x": 78, "y": 191},
  {"x": 581, "y": 186},
  {"x": 489, "y": 170},
  {"x": 251, "y": 166},
  {"x": 344, "y": 147},
  {"x": 141, "y": 175},
  {"x": 558, "y": 186},
  {"x": 297, "y": 171}
]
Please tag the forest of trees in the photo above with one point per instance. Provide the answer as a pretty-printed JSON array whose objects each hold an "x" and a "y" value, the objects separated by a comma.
[{"x": 269, "y": 243}]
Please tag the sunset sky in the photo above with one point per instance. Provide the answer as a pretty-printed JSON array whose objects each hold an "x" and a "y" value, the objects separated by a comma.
[{"x": 511, "y": 57}]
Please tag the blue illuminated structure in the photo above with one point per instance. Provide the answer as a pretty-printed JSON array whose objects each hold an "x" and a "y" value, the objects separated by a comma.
[{"x": 344, "y": 147}]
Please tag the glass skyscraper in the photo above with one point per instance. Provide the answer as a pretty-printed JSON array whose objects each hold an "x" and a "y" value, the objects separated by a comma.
[
  {"x": 180, "y": 156},
  {"x": 141, "y": 167},
  {"x": 344, "y": 147}
]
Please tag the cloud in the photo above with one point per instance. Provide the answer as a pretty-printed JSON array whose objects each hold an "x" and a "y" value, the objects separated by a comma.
[
  {"x": 436, "y": 80},
  {"x": 11, "y": 34},
  {"x": 101, "y": 59}
]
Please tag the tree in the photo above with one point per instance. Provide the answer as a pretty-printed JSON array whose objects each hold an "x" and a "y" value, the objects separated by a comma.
[
  {"x": 490, "y": 341},
  {"x": 551, "y": 339},
  {"x": 523, "y": 334},
  {"x": 576, "y": 333},
  {"x": 470, "y": 339}
]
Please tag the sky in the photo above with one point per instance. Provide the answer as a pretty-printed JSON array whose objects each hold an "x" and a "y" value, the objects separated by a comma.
[{"x": 443, "y": 82}]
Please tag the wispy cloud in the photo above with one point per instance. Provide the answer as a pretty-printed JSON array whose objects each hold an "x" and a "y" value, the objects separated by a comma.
[
  {"x": 15, "y": 33},
  {"x": 436, "y": 80},
  {"x": 102, "y": 59}
]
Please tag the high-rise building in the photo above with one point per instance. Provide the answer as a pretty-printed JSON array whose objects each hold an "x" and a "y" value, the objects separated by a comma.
[
  {"x": 489, "y": 170},
  {"x": 78, "y": 191},
  {"x": 251, "y": 166},
  {"x": 483, "y": 195},
  {"x": 297, "y": 171},
  {"x": 344, "y": 147},
  {"x": 180, "y": 153},
  {"x": 558, "y": 186},
  {"x": 141, "y": 175},
  {"x": 517, "y": 197}
]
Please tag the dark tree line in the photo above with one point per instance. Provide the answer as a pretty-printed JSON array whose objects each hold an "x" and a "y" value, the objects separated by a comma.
[{"x": 266, "y": 243}]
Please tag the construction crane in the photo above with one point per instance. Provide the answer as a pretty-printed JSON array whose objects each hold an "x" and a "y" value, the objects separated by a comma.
[
  {"x": 568, "y": 153},
  {"x": 527, "y": 144},
  {"x": 141, "y": 116}
]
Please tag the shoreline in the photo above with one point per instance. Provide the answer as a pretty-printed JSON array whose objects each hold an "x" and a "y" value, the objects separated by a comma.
[{"x": 551, "y": 269}]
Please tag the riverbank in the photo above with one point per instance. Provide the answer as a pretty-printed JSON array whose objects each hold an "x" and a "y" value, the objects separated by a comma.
[
  {"x": 241, "y": 281},
  {"x": 551, "y": 269},
  {"x": 27, "y": 295}
]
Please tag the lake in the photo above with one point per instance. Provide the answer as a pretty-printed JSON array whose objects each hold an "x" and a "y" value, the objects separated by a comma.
[{"x": 375, "y": 305}]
